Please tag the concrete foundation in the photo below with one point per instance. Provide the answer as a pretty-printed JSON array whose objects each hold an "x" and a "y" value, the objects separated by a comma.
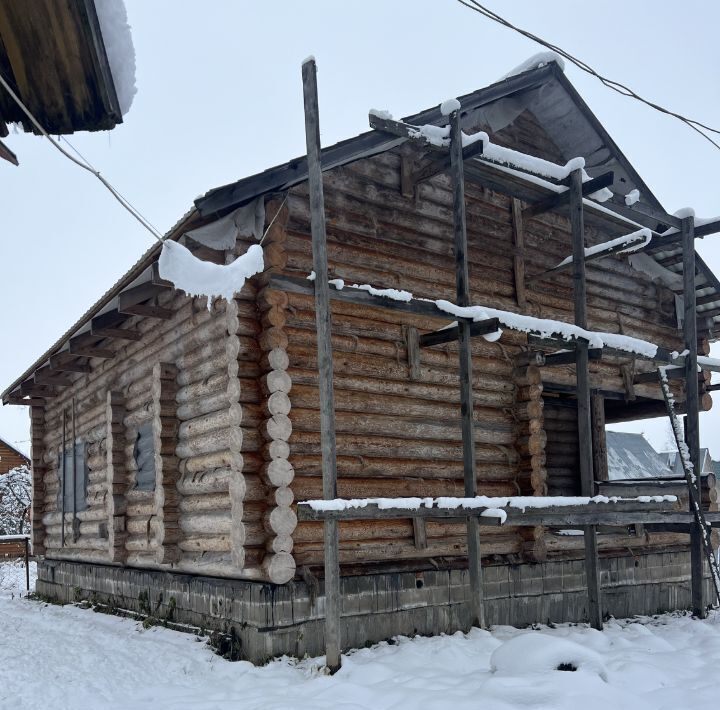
[{"x": 270, "y": 620}]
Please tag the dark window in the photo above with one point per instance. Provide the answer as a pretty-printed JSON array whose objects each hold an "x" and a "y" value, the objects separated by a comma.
[
  {"x": 144, "y": 455},
  {"x": 79, "y": 494}
]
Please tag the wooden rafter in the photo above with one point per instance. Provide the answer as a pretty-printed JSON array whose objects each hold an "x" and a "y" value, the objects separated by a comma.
[{"x": 562, "y": 198}]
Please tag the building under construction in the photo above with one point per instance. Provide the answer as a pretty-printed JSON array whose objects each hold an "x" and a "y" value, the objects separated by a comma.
[{"x": 483, "y": 304}]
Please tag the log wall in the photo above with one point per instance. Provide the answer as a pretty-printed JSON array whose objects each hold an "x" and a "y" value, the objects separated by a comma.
[
  {"x": 232, "y": 396},
  {"x": 398, "y": 435}
]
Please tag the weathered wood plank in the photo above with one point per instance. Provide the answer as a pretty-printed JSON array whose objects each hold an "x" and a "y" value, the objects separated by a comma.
[
  {"x": 692, "y": 418},
  {"x": 577, "y": 225},
  {"x": 333, "y": 599},
  {"x": 462, "y": 287}
]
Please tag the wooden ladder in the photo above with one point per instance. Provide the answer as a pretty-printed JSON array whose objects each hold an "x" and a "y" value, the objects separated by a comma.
[{"x": 691, "y": 478}]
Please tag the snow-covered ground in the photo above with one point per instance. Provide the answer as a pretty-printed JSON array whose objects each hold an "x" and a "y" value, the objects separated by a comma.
[{"x": 66, "y": 657}]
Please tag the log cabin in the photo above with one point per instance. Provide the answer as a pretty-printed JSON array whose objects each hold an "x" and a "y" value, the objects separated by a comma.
[{"x": 172, "y": 438}]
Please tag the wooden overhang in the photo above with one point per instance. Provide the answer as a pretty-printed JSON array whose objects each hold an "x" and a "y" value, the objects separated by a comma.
[
  {"x": 131, "y": 295},
  {"x": 52, "y": 55}
]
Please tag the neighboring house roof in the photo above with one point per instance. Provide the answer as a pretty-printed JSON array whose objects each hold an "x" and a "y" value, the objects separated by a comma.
[
  {"x": 707, "y": 465},
  {"x": 545, "y": 92},
  {"x": 631, "y": 456},
  {"x": 10, "y": 457},
  {"x": 53, "y": 56}
]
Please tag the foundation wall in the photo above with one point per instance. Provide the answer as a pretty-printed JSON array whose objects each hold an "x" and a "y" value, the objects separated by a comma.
[{"x": 270, "y": 620}]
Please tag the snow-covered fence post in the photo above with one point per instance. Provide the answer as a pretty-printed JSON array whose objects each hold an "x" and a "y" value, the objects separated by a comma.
[
  {"x": 577, "y": 224},
  {"x": 323, "y": 321},
  {"x": 692, "y": 417},
  {"x": 457, "y": 172}
]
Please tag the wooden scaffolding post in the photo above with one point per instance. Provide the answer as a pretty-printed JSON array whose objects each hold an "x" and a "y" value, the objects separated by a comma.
[
  {"x": 587, "y": 486},
  {"x": 692, "y": 417},
  {"x": 464, "y": 342},
  {"x": 325, "y": 362}
]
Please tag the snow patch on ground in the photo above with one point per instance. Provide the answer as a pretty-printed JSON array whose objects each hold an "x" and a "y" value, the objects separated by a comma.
[
  {"x": 65, "y": 657},
  {"x": 536, "y": 653}
]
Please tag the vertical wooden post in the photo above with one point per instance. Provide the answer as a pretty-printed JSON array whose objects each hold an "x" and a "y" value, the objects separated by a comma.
[
  {"x": 587, "y": 486},
  {"x": 457, "y": 171},
  {"x": 74, "y": 476},
  {"x": 64, "y": 479},
  {"x": 518, "y": 252},
  {"x": 27, "y": 565},
  {"x": 599, "y": 439},
  {"x": 325, "y": 362},
  {"x": 692, "y": 417}
]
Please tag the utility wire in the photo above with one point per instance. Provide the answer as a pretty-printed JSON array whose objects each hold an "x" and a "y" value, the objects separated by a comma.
[
  {"x": 610, "y": 83},
  {"x": 85, "y": 164}
]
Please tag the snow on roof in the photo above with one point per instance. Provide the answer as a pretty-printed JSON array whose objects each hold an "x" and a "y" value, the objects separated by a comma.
[
  {"x": 536, "y": 61},
  {"x": 6, "y": 443},
  {"x": 632, "y": 456},
  {"x": 119, "y": 49}
]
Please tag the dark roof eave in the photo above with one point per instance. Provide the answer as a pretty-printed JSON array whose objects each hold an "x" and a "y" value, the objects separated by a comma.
[
  {"x": 366, "y": 144},
  {"x": 134, "y": 272}
]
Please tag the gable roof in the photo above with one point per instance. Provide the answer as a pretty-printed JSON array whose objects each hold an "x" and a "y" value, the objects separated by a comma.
[
  {"x": 631, "y": 456},
  {"x": 548, "y": 94},
  {"x": 545, "y": 90},
  {"x": 707, "y": 465}
]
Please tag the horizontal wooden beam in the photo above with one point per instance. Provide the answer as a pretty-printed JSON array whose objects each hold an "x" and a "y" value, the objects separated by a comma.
[
  {"x": 601, "y": 254},
  {"x": 134, "y": 301},
  {"x": 48, "y": 376},
  {"x": 610, "y": 513},
  {"x": 147, "y": 310},
  {"x": 440, "y": 165},
  {"x": 19, "y": 400},
  {"x": 86, "y": 345},
  {"x": 673, "y": 373},
  {"x": 293, "y": 284},
  {"x": 62, "y": 362},
  {"x": 643, "y": 214},
  {"x": 569, "y": 357},
  {"x": 451, "y": 334},
  {"x": 561, "y": 198},
  {"x": 158, "y": 280},
  {"x": 705, "y": 230},
  {"x": 107, "y": 325}
]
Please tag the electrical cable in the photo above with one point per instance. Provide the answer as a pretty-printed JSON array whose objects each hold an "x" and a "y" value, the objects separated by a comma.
[
  {"x": 83, "y": 163},
  {"x": 610, "y": 83}
]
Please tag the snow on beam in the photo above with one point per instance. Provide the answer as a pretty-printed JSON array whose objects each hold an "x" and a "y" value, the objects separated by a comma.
[
  {"x": 627, "y": 244},
  {"x": 516, "y": 510},
  {"x": 451, "y": 334},
  {"x": 543, "y": 330}
]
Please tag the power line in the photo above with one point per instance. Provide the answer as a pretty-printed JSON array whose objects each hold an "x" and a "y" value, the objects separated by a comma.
[
  {"x": 617, "y": 86},
  {"x": 82, "y": 162}
]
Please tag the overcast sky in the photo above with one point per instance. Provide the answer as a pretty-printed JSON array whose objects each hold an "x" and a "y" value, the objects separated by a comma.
[{"x": 219, "y": 98}]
